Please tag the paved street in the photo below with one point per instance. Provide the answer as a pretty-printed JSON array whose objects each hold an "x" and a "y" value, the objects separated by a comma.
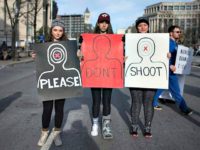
[{"x": 20, "y": 117}]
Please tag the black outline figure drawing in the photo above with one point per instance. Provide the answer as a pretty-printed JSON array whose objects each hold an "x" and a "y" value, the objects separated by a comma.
[
  {"x": 57, "y": 58},
  {"x": 146, "y": 67},
  {"x": 109, "y": 69}
]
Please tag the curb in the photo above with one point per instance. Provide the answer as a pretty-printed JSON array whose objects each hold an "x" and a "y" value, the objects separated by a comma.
[{"x": 11, "y": 62}]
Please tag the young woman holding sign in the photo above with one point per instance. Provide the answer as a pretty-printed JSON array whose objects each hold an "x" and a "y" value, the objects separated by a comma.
[
  {"x": 141, "y": 96},
  {"x": 103, "y": 26},
  {"x": 57, "y": 33}
]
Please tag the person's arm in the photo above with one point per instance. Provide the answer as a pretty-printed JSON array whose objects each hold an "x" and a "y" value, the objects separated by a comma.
[
  {"x": 123, "y": 40},
  {"x": 79, "y": 53}
]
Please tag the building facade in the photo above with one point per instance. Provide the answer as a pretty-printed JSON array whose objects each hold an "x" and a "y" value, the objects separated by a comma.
[
  {"x": 24, "y": 33},
  {"x": 75, "y": 24},
  {"x": 184, "y": 14}
]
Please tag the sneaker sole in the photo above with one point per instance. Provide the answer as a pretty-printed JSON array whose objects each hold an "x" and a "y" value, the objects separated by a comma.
[
  {"x": 157, "y": 108},
  {"x": 107, "y": 138}
]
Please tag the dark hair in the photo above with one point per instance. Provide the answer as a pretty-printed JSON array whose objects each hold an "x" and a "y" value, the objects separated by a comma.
[
  {"x": 171, "y": 28},
  {"x": 97, "y": 29},
  {"x": 63, "y": 38},
  {"x": 141, "y": 20}
]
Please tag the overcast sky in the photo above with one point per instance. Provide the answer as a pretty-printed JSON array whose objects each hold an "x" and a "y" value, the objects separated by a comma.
[{"x": 123, "y": 13}]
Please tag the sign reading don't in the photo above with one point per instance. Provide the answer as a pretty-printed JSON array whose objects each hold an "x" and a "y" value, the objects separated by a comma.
[{"x": 102, "y": 65}]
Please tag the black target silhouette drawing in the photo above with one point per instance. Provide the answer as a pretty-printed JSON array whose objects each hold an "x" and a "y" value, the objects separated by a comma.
[{"x": 146, "y": 72}]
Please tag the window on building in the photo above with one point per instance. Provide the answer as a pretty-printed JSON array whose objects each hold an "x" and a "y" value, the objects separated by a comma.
[
  {"x": 195, "y": 7},
  {"x": 194, "y": 22},
  {"x": 165, "y": 7},
  {"x": 170, "y": 7},
  {"x": 176, "y": 21},
  {"x": 188, "y": 7},
  {"x": 182, "y": 7},
  {"x": 170, "y": 22},
  {"x": 176, "y": 7},
  {"x": 188, "y": 23},
  {"x": 161, "y": 7},
  {"x": 158, "y": 8},
  {"x": 182, "y": 23}
]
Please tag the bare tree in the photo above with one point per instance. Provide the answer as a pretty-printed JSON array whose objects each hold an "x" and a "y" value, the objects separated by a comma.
[
  {"x": 36, "y": 7},
  {"x": 14, "y": 13}
]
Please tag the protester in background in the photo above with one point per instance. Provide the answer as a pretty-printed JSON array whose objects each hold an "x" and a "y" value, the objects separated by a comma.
[
  {"x": 4, "y": 51},
  {"x": 103, "y": 26},
  {"x": 174, "y": 89},
  {"x": 141, "y": 96},
  {"x": 57, "y": 33}
]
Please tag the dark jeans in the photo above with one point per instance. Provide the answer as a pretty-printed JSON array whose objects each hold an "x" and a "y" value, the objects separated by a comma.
[
  {"x": 99, "y": 94},
  {"x": 139, "y": 97},
  {"x": 47, "y": 111}
]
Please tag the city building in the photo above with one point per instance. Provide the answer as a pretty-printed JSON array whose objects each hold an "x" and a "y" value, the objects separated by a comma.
[
  {"x": 24, "y": 31},
  {"x": 185, "y": 14},
  {"x": 75, "y": 24}
]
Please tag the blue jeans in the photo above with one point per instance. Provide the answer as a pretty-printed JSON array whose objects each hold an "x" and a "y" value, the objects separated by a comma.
[{"x": 174, "y": 89}]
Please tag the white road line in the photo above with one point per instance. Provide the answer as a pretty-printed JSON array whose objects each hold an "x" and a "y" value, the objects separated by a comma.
[{"x": 48, "y": 143}]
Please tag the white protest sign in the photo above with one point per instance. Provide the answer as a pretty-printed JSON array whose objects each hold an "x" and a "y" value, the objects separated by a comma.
[
  {"x": 183, "y": 60},
  {"x": 147, "y": 65}
]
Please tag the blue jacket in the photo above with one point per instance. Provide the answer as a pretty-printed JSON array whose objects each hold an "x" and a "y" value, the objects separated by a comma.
[{"x": 173, "y": 46}]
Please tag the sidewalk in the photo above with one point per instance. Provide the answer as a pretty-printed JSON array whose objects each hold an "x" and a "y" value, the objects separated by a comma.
[{"x": 23, "y": 59}]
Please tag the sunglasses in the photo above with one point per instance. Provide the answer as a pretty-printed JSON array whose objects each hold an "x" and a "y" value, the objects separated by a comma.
[{"x": 177, "y": 31}]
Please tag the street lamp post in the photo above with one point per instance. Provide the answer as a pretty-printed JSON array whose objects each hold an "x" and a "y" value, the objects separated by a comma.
[{"x": 27, "y": 23}]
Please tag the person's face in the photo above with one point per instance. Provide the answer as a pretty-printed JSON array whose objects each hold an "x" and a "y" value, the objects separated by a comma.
[
  {"x": 176, "y": 33},
  {"x": 143, "y": 27},
  {"x": 103, "y": 26},
  {"x": 57, "y": 33}
]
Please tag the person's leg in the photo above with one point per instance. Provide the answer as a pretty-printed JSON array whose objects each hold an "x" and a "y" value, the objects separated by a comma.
[
  {"x": 106, "y": 100},
  {"x": 106, "y": 119},
  {"x": 156, "y": 97},
  {"x": 59, "y": 111},
  {"x": 136, "y": 96},
  {"x": 148, "y": 111},
  {"x": 46, "y": 115},
  {"x": 46, "y": 118},
  {"x": 175, "y": 91},
  {"x": 96, "y": 102}
]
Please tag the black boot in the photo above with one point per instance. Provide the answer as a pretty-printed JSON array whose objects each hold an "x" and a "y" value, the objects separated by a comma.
[
  {"x": 133, "y": 130},
  {"x": 147, "y": 132}
]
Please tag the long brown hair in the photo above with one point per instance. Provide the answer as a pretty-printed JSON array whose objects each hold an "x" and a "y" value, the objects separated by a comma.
[
  {"x": 109, "y": 30},
  {"x": 63, "y": 38}
]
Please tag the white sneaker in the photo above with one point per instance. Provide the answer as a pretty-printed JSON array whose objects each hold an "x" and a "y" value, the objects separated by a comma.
[
  {"x": 57, "y": 138},
  {"x": 43, "y": 138},
  {"x": 94, "y": 131}
]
